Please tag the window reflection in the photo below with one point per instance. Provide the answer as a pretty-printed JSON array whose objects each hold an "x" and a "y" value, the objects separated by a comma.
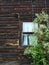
[
  {"x": 29, "y": 39},
  {"x": 29, "y": 27}
]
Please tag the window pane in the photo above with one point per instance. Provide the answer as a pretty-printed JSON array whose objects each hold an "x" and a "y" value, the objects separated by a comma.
[
  {"x": 29, "y": 39},
  {"x": 25, "y": 41},
  {"x": 33, "y": 39},
  {"x": 29, "y": 27}
]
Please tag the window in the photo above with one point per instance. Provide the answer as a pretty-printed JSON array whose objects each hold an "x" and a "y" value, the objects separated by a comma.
[{"x": 28, "y": 29}]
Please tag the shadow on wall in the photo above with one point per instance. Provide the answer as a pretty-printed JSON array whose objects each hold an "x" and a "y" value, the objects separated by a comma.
[{"x": 16, "y": 62}]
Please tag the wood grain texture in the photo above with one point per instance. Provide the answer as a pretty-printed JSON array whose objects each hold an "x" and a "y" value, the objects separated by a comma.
[{"x": 11, "y": 26}]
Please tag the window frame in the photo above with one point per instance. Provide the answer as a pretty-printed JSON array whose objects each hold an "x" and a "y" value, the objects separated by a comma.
[{"x": 25, "y": 33}]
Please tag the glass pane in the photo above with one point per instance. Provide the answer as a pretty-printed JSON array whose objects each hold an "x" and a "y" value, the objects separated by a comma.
[
  {"x": 29, "y": 39},
  {"x": 29, "y": 27},
  {"x": 33, "y": 39},
  {"x": 25, "y": 41}
]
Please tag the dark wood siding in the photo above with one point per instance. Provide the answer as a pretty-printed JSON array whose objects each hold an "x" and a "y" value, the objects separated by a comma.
[{"x": 10, "y": 25}]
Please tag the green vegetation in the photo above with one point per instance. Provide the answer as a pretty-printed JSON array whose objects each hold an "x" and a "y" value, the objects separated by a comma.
[{"x": 39, "y": 53}]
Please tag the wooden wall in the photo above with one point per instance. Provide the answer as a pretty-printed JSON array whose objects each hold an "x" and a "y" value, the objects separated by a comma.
[{"x": 10, "y": 25}]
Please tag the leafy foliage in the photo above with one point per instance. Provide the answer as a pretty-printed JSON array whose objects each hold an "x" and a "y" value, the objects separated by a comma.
[
  {"x": 39, "y": 53},
  {"x": 41, "y": 17}
]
